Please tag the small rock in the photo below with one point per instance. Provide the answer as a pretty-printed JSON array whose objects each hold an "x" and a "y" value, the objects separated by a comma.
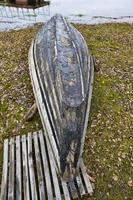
[
  {"x": 131, "y": 115},
  {"x": 123, "y": 155},
  {"x": 119, "y": 159},
  {"x": 109, "y": 185},
  {"x": 99, "y": 115},
  {"x": 115, "y": 177},
  {"x": 130, "y": 183}
]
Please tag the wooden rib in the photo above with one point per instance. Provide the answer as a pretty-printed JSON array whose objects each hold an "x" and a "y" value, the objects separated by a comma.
[
  {"x": 11, "y": 171},
  {"x": 18, "y": 170},
  {"x": 88, "y": 107},
  {"x": 54, "y": 174},
  {"x": 5, "y": 172},
  {"x": 31, "y": 169},
  {"x": 86, "y": 178},
  {"x": 25, "y": 170},
  {"x": 45, "y": 167},
  {"x": 49, "y": 103},
  {"x": 41, "y": 186},
  {"x": 42, "y": 111}
]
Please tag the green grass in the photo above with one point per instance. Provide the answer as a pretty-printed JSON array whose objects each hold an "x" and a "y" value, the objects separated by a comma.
[{"x": 109, "y": 144}]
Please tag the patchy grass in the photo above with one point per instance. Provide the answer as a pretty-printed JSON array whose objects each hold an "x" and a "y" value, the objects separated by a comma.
[
  {"x": 16, "y": 95},
  {"x": 109, "y": 144}
]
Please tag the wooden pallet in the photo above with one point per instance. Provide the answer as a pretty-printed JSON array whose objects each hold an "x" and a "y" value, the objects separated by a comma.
[{"x": 29, "y": 172}]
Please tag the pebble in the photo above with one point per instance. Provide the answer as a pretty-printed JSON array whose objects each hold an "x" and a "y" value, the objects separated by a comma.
[
  {"x": 115, "y": 178},
  {"x": 130, "y": 183}
]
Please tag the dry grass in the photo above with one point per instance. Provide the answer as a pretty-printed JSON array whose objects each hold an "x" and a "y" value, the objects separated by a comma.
[{"x": 109, "y": 146}]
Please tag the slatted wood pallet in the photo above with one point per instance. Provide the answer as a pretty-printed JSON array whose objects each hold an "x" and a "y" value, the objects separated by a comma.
[{"x": 29, "y": 172}]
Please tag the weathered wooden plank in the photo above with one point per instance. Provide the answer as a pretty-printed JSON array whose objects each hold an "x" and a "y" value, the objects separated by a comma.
[
  {"x": 4, "y": 184},
  {"x": 26, "y": 187},
  {"x": 65, "y": 190},
  {"x": 86, "y": 178},
  {"x": 31, "y": 169},
  {"x": 31, "y": 112},
  {"x": 41, "y": 107},
  {"x": 46, "y": 171},
  {"x": 80, "y": 185},
  {"x": 53, "y": 172},
  {"x": 71, "y": 185},
  {"x": 73, "y": 189},
  {"x": 41, "y": 184},
  {"x": 66, "y": 193},
  {"x": 46, "y": 167},
  {"x": 11, "y": 195},
  {"x": 18, "y": 186},
  {"x": 88, "y": 107}
]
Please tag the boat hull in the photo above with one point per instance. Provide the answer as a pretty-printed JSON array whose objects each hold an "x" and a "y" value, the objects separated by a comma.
[{"x": 61, "y": 69}]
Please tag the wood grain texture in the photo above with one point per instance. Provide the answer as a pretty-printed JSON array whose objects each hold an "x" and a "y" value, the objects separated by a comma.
[
  {"x": 40, "y": 179},
  {"x": 26, "y": 186},
  {"x": 41, "y": 107},
  {"x": 18, "y": 169},
  {"x": 31, "y": 168},
  {"x": 4, "y": 185},
  {"x": 11, "y": 190},
  {"x": 45, "y": 167}
]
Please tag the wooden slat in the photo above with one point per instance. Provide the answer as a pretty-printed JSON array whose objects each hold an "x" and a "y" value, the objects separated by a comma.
[
  {"x": 54, "y": 174},
  {"x": 11, "y": 195},
  {"x": 5, "y": 172},
  {"x": 65, "y": 190},
  {"x": 73, "y": 189},
  {"x": 42, "y": 109},
  {"x": 80, "y": 185},
  {"x": 41, "y": 185},
  {"x": 31, "y": 169},
  {"x": 18, "y": 170},
  {"x": 88, "y": 106},
  {"x": 51, "y": 108},
  {"x": 25, "y": 170},
  {"x": 46, "y": 167},
  {"x": 86, "y": 178},
  {"x": 64, "y": 184}
]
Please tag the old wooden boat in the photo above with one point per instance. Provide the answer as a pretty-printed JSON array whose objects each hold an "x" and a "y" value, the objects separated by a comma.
[{"x": 61, "y": 69}]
